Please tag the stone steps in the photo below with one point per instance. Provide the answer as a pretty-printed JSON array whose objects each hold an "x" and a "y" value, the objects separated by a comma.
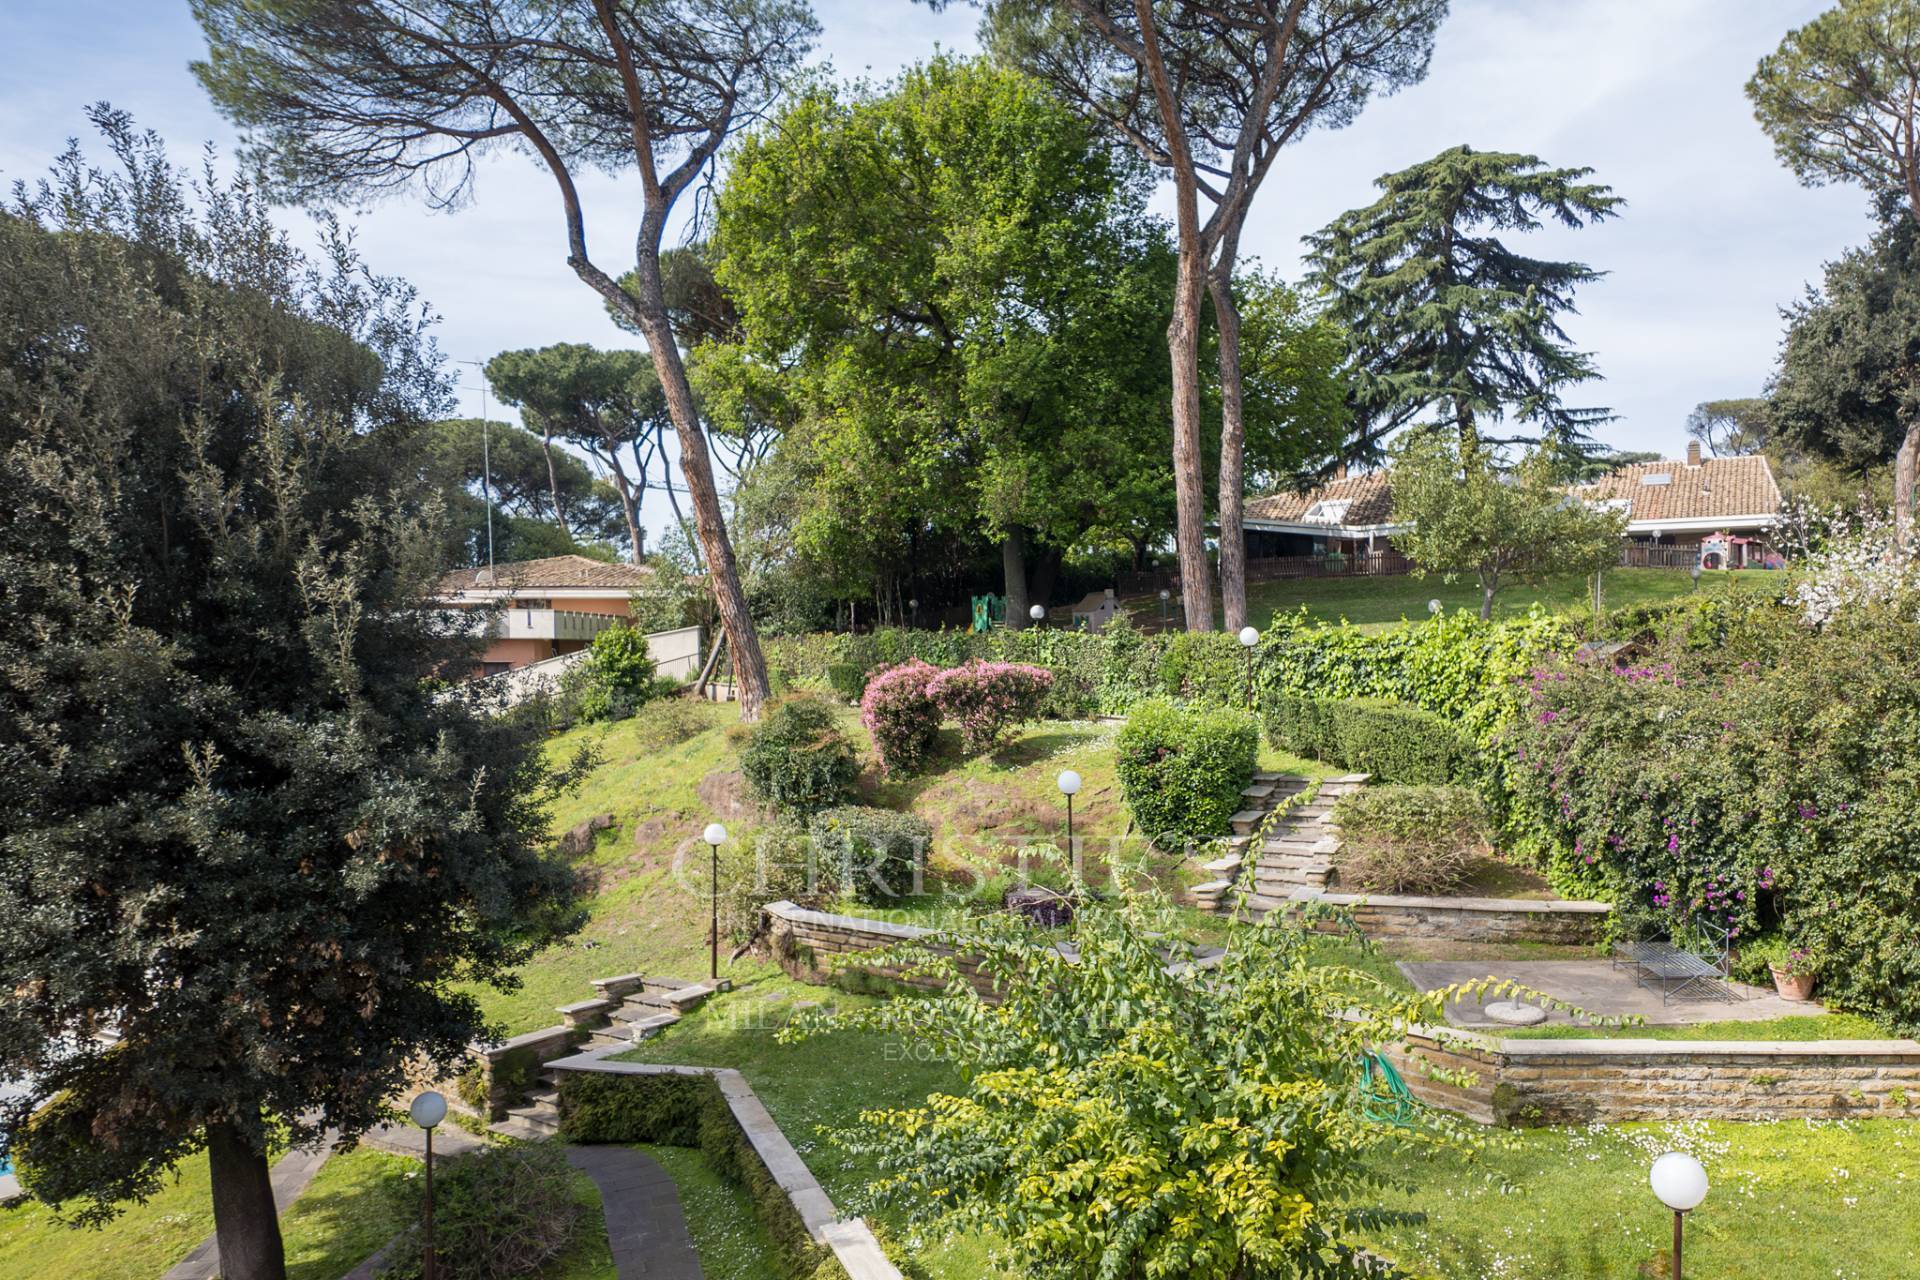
[{"x": 1295, "y": 854}]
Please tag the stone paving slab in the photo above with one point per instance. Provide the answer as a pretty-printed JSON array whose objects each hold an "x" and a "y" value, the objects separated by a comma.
[
  {"x": 1599, "y": 988},
  {"x": 646, "y": 1227}
]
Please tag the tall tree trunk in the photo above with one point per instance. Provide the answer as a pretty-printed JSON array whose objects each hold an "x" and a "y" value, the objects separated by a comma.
[
  {"x": 1487, "y": 587},
  {"x": 246, "y": 1226},
  {"x": 647, "y": 306},
  {"x": 630, "y": 508},
  {"x": 1905, "y": 464},
  {"x": 1013, "y": 569},
  {"x": 1233, "y": 441},
  {"x": 553, "y": 481},
  {"x": 1183, "y": 339}
]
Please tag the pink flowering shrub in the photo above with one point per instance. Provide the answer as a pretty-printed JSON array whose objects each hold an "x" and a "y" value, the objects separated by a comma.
[
  {"x": 901, "y": 715},
  {"x": 989, "y": 698}
]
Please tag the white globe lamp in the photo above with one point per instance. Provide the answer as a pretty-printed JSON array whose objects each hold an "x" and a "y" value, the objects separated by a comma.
[{"x": 1681, "y": 1183}]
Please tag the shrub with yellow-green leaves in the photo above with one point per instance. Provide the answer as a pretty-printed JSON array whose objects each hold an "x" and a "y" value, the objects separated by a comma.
[{"x": 1127, "y": 1114}]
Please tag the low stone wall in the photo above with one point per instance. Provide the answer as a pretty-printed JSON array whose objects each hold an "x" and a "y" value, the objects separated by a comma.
[
  {"x": 849, "y": 1240},
  {"x": 1471, "y": 919},
  {"x": 804, "y": 942},
  {"x": 1574, "y": 1081},
  {"x": 1534, "y": 1082}
]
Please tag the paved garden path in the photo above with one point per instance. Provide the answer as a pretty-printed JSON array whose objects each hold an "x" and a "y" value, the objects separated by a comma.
[
  {"x": 1597, "y": 987},
  {"x": 645, "y": 1224}
]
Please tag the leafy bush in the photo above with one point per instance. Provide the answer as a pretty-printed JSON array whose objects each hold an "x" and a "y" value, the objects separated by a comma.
[
  {"x": 901, "y": 716},
  {"x": 1301, "y": 725},
  {"x": 847, "y": 679},
  {"x": 989, "y": 698},
  {"x": 614, "y": 678},
  {"x": 874, "y": 855},
  {"x": 1761, "y": 786},
  {"x": 1412, "y": 839},
  {"x": 775, "y": 862},
  {"x": 1397, "y": 743},
  {"x": 797, "y": 760},
  {"x": 500, "y": 1213},
  {"x": 1182, "y": 770},
  {"x": 1088, "y": 1062}
]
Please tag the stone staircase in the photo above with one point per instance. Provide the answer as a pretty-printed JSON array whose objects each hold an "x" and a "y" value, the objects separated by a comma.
[
  {"x": 1295, "y": 854},
  {"x": 627, "y": 1009}
]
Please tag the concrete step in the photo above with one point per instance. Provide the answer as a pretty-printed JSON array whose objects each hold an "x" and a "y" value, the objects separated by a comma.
[
  {"x": 645, "y": 1028},
  {"x": 1223, "y": 866},
  {"x": 642, "y": 1004},
  {"x": 1258, "y": 791},
  {"x": 523, "y": 1129},
  {"x": 1245, "y": 821}
]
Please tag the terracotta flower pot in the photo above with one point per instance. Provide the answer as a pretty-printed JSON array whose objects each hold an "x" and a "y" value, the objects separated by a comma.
[{"x": 1792, "y": 986}]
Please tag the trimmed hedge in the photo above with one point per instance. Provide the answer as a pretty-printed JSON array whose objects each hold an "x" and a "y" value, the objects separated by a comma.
[
  {"x": 1393, "y": 741},
  {"x": 1455, "y": 665},
  {"x": 1398, "y": 743},
  {"x": 875, "y": 855},
  {"x": 689, "y": 1111},
  {"x": 1182, "y": 769}
]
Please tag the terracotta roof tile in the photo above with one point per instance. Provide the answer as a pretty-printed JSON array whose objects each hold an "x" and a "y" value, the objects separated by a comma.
[
  {"x": 549, "y": 573},
  {"x": 1716, "y": 489},
  {"x": 1369, "y": 498}
]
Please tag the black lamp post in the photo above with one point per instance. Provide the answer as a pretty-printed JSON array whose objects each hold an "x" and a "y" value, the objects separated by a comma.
[
  {"x": 427, "y": 1110},
  {"x": 715, "y": 836},
  {"x": 1069, "y": 784}
]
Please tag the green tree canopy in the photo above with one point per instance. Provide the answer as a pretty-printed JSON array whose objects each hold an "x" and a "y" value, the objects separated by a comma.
[
  {"x": 1444, "y": 315},
  {"x": 545, "y": 501},
  {"x": 1848, "y": 382},
  {"x": 1463, "y": 516},
  {"x": 243, "y": 832},
  {"x": 950, "y": 281},
  {"x": 1840, "y": 98},
  {"x": 608, "y": 403}
]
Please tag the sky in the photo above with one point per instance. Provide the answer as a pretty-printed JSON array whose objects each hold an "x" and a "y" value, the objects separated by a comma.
[{"x": 1714, "y": 239}]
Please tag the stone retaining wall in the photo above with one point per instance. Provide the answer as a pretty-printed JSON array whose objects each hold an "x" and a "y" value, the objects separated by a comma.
[
  {"x": 1471, "y": 919},
  {"x": 804, "y": 942},
  {"x": 1537, "y": 1082}
]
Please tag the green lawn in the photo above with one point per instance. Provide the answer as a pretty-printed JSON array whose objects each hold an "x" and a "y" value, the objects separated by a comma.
[
  {"x": 1831, "y": 1200},
  {"x": 1388, "y": 599},
  {"x": 355, "y": 1204},
  {"x": 1832, "y": 1026}
]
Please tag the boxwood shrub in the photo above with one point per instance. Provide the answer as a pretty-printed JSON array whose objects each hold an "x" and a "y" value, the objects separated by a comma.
[
  {"x": 1301, "y": 725},
  {"x": 1182, "y": 769},
  {"x": 1397, "y": 743},
  {"x": 797, "y": 760},
  {"x": 875, "y": 855}
]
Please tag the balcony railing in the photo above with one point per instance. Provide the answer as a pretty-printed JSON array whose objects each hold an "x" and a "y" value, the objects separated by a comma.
[{"x": 536, "y": 624}]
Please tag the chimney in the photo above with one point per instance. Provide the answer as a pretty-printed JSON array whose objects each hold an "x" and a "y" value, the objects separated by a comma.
[
  {"x": 1693, "y": 453},
  {"x": 1340, "y": 471}
]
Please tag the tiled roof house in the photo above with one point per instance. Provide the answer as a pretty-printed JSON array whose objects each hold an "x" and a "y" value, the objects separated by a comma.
[{"x": 1721, "y": 507}]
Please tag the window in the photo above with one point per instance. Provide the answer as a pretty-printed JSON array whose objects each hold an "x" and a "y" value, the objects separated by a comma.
[
  {"x": 1328, "y": 510},
  {"x": 1657, "y": 477}
]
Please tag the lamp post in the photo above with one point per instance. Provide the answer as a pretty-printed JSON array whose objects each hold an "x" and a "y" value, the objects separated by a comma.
[
  {"x": 913, "y": 612},
  {"x": 715, "y": 835},
  {"x": 1166, "y": 599},
  {"x": 1696, "y": 575},
  {"x": 427, "y": 1110},
  {"x": 1433, "y": 608},
  {"x": 1069, "y": 784},
  {"x": 1039, "y": 615},
  {"x": 1249, "y": 637},
  {"x": 1681, "y": 1183}
]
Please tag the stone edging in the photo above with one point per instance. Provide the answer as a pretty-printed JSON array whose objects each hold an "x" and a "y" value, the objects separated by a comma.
[
  {"x": 850, "y": 1240},
  {"x": 1556, "y": 920}
]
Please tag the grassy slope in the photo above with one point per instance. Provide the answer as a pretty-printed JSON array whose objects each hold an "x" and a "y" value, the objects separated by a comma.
[
  {"x": 646, "y": 918},
  {"x": 1373, "y": 601}
]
